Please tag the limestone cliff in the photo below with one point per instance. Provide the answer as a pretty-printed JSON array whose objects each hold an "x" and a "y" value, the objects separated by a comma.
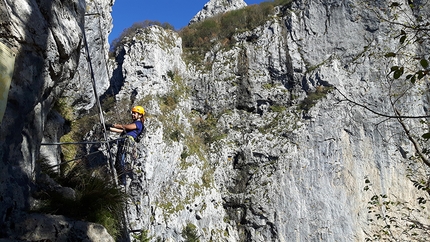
[
  {"x": 241, "y": 146},
  {"x": 47, "y": 38},
  {"x": 249, "y": 139}
]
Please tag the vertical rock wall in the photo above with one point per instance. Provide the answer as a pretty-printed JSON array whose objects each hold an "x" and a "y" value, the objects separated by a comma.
[
  {"x": 98, "y": 24},
  {"x": 47, "y": 39},
  {"x": 236, "y": 148},
  {"x": 275, "y": 165}
]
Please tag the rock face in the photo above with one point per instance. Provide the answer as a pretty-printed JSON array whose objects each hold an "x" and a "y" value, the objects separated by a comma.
[
  {"x": 252, "y": 142},
  {"x": 37, "y": 227},
  {"x": 244, "y": 151},
  {"x": 47, "y": 38},
  {"x": 214, "y": 7},
  {"x": 98, "y": 23}
]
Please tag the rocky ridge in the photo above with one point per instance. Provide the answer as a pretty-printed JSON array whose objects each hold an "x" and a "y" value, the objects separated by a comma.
[{"x": 215, "y": 7}]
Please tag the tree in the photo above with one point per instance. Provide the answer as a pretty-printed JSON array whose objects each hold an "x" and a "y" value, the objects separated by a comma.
[{"x": 407, "y": 75}]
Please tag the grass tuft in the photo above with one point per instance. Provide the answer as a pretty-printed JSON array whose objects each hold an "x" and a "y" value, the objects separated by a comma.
[{"x": 97, "y": 199}]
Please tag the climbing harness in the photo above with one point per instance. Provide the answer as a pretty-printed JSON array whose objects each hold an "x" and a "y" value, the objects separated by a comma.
[
  {"x": 126, "y": 155},
  {"x": 79, "y": 143}
]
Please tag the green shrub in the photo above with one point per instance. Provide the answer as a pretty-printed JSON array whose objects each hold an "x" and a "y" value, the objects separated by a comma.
[
  {"x": 108, "y": 103},
  {"x": 184, "y": 154},
  {"x": 195, "y": 146},
  {"x": 175, "y": 135},
  {"x": 78, "y": 129},
  {"x": 63, "y": 107},
  {"x": 190, "y": 233},
  {"x": 282, "y": 2},
  {"x": 97, "y": 199},
  {"x": 142, "y": 237},
  {"x": 313, "y": 97},
  {"x": 207, "y": 130},
  {"x": 202, "y": 35},
  {"x": 171, "y": 74},
  {"x": 170, "y": 100},
  {"x": 278, "y": 108},
  {"x": 268, "y": 86}
]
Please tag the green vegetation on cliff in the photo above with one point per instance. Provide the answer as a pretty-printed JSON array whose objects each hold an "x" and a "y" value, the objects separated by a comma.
[
  {"x": 199, "y": 38},
  {"x": 96, "y": 199}
]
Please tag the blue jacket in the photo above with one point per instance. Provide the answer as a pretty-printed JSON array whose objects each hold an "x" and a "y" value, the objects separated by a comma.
[{"x": 135, "y": 132}]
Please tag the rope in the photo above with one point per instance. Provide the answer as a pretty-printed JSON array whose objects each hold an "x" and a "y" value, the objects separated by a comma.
[
  {"x": 112, "y": 167},
  {"x": 83, "y": 142},
  {"x": 102, "y": 120},
  {"x": 65, "y": 162}
]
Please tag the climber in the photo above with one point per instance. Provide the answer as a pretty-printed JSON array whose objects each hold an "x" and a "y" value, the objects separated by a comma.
[
  {"x": 133, "y": 129},
  {"x": 127, "y": 154}
]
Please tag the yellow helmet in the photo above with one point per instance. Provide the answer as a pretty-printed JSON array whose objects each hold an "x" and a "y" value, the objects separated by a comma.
[{"x": 138, "y": 109}]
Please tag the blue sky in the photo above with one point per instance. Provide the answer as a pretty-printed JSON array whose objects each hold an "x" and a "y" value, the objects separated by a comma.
[{"x": 175, "y": 12}]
